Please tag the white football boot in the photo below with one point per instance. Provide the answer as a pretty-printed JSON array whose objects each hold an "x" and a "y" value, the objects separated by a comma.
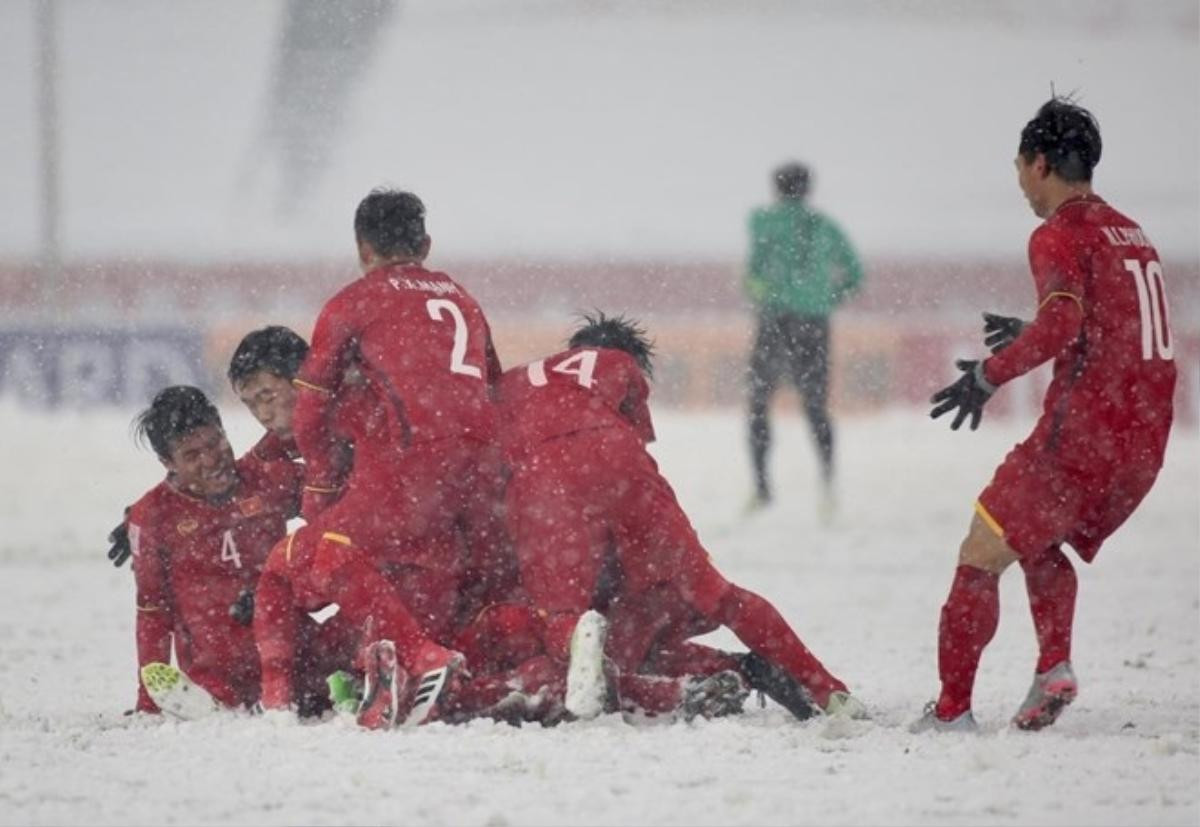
[
  {"x": 1050, "y": 694},
  {"x": 175, "y": 693},
  {"x": 930, "y": 722}
]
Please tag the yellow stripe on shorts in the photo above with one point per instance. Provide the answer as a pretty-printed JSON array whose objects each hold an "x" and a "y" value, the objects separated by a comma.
[
  {"x": 991, "y": 521},
  {"x": 337, "y": 538}
]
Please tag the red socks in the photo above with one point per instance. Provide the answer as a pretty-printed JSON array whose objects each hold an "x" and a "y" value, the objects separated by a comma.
[
  {"x": 1051, "y": 583},
  {"x": 969, "y": 619}
]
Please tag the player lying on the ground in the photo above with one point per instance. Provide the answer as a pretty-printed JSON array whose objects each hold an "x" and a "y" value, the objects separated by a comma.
[
  {"x": 596, "y": 525},
  {"x": 1097, "y": 448}
]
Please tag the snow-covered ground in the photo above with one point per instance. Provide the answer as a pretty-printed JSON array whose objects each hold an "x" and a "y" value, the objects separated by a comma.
[{"x": 864, "y": 594}]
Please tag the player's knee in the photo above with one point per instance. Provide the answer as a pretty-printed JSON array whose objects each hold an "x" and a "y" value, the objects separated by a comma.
[
  {"x": 984, "y": 548},
  {"x": 705, "y": 588}
]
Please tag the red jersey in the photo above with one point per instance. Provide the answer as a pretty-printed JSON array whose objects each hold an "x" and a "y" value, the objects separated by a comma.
[
  {"x": 424, "y": 349},
  {"x": 191, "y": 561},
  {"x": 273, "y": 448},
  {"x": 1102, "y": 317},
  {"x": 576, "y": 390}
]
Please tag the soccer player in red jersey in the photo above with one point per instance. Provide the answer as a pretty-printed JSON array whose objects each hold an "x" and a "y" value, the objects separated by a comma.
[
  {"x": 199, "y": 540},
  {"x": 423, "y": 469},
  {"x": 1097, "y": 447},
  {"x": 261, "y": 372},
  {"x": 597, "y": 526}
]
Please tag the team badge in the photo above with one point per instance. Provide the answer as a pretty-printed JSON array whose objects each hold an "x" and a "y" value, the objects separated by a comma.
[
  {"x": 250, "y": 506},
  {"x": 186, "y": 527}
]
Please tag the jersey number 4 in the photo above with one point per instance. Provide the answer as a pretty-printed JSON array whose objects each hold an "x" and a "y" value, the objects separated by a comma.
[
  {"x": 438, "y": 310},
  {"x": 229, "y": 552},
  {"x": 1152, "y": 303}
]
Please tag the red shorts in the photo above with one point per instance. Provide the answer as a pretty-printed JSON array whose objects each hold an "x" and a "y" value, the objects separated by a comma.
[{"x": 1035, "y": 500}]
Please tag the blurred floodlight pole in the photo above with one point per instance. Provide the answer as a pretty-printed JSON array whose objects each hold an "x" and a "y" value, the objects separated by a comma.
[{"x": 49, "y": 255}]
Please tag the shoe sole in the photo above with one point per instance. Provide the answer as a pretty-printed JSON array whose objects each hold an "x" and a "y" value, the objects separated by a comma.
[
  {"x": 1058, "y": 698},
  {"x": 174, "y": 693},
  {"x": 587, "y": 685},
  {"x": 381, "y": 698}
]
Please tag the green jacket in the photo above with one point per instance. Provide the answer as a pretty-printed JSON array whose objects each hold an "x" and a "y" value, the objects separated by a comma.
[{"x": 800, "y": 262}]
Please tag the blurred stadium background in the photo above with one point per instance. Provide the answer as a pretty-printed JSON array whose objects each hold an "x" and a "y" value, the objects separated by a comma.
[{"x": 177, "y": 174}]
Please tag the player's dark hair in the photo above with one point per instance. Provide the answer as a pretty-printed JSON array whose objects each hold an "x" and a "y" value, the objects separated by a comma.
[
  {"x": 792, "y": 180},
  {"x": 392, "y": 222},
  {"x": 618, "y": 333},
  {"x": 275, "y": 349},
  {"x": 1067, "y": 135},
  {"x": 175, "y": 412}
]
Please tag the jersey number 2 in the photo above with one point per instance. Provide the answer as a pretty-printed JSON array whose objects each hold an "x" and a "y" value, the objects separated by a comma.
[
  {"x": 1152, "y": 303},
  {"x": 458, "y": 354}
]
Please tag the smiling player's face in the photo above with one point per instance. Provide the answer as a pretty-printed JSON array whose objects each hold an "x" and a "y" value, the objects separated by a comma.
[{"x": 201, "y": 463}]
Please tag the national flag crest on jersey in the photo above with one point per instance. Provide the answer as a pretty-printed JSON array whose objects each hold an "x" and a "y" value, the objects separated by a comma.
[{"x": 251, "y": 506}]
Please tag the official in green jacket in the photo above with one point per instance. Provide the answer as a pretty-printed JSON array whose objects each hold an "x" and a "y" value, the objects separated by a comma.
[{"x": 801, "y": 268}]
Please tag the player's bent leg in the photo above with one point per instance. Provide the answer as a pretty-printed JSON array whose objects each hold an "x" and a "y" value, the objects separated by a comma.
[
  {"x": 970, "y": 615},
  {"x": 501, "y": 637},
  {"x": 276, "y": 630},
  {"x": 759, "y": 625},
  {"x": 1051, "y": 583},
  {"x": 1052, "y": 586},
  {"x": 345, "y": 577}
]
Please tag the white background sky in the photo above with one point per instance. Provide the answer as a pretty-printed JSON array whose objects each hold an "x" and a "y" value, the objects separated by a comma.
[{"x": 604, "y": 129}]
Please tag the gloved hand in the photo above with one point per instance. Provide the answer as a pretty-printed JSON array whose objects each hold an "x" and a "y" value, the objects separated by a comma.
[
  {"x": 120, "y": 550},
  {"x": 1000, "y": 331},
  {"x": 242, "y": 609},
  {"x": 969, "y": 394}
]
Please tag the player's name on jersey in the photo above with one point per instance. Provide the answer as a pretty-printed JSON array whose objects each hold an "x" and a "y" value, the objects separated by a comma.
[
  {"x": 1125, "y": 236},
  {"x": 424, "y": 285}
]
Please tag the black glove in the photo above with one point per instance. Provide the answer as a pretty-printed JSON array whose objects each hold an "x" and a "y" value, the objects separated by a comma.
[
  {"x": 242, "y": 609},
  {"x": 120, "y": 550},
  {"x": 1000, "y": 331},
  {"x": 968, "y": 394}
]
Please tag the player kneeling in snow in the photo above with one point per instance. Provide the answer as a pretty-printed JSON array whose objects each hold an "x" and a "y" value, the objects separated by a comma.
[
  {"x": 199, "y": 540},
  {"x": 597, "y": 527}
]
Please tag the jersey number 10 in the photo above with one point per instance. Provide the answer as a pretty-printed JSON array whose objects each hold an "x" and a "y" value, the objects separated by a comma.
[{"x": 1152, "y": 302}]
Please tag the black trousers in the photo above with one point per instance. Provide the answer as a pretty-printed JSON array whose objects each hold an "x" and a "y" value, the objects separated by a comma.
[{"x": 795, "y": 346}]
